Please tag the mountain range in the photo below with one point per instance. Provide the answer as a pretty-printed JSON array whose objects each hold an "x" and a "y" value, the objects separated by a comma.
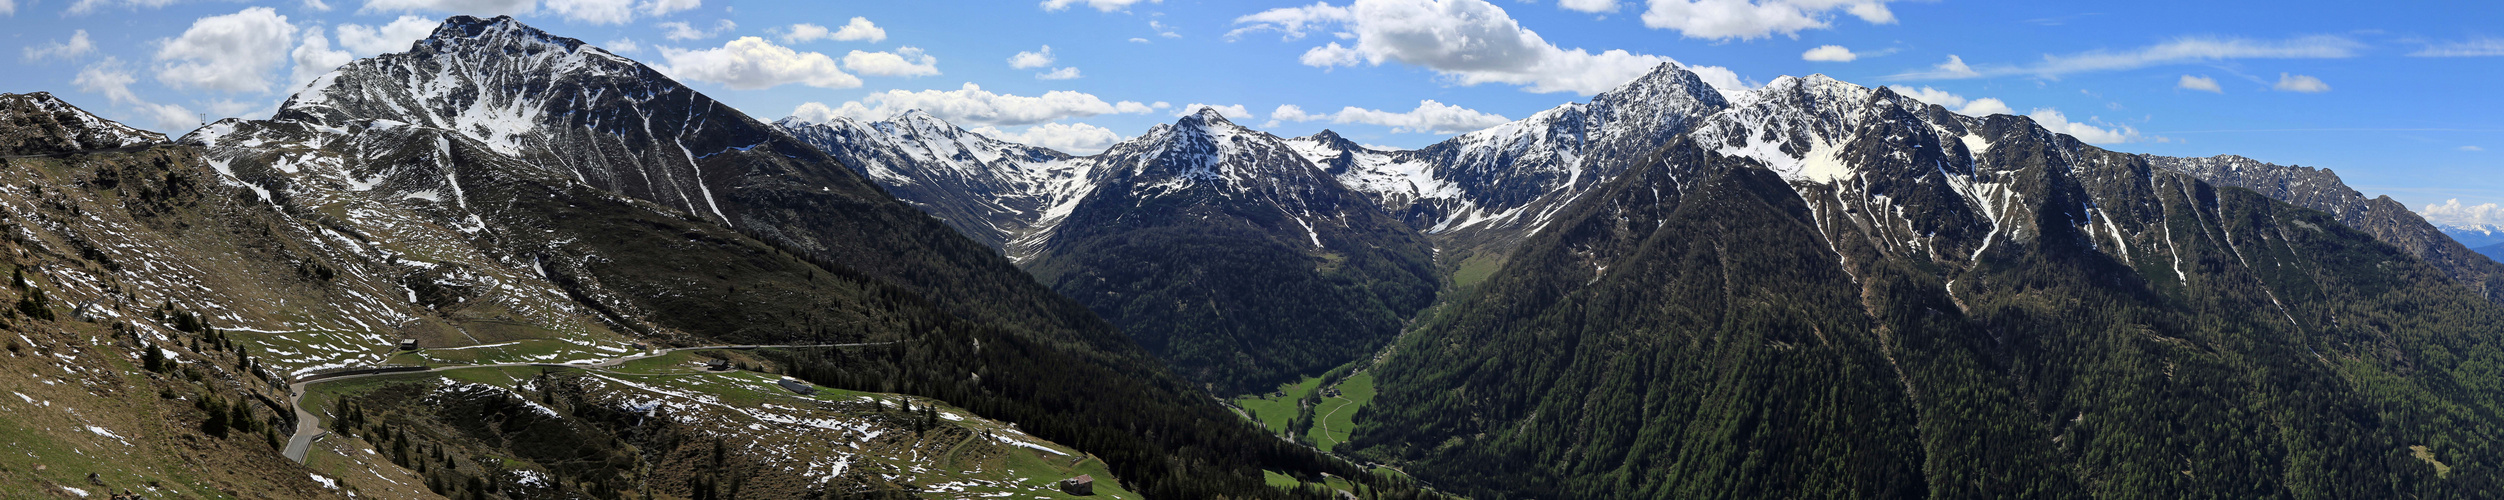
[
  {"x": 506, "y": 263},
  {"x": 2475, "y": 235},
  {"x": 1222, "y": 249},
  {"x": 1670, "y": 292},
  {"x": 540, "y": 222}
]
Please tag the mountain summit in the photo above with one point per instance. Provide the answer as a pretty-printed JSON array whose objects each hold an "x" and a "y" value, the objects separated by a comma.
[
  {"x": 1831, "y": 290},
  {"x": 1233, "y": 257},
  {"x": 497, "y": 186},
  {"x": 1220, "y": 248}
]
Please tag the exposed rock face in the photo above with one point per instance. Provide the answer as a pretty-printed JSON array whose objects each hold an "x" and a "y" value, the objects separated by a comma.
[
  {"x": 1478, "y": 194},
  {"x": 999, "y": 193},
  {"x": 38, "y": 123}
]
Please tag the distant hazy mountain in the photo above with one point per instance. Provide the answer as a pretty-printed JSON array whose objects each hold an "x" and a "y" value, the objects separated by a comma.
[{"x": 2476, "y": 235}]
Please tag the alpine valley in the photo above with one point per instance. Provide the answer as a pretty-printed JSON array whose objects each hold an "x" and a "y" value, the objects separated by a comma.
[{"x": 510, "y": 264}]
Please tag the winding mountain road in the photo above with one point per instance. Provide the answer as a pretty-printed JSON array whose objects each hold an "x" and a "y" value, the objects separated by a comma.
[{"x": 308, "y": 425}]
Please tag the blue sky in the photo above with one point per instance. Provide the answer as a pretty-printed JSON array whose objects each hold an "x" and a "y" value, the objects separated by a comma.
[{"x": 2401, "y": 98}]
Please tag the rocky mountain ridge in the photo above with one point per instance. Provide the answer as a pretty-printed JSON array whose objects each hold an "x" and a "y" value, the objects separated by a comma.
[
  {"x": 1830, "y": 290},
  {"x": 994, "y": 191},
  {"x": 2386, "y": 219},
  {"x": 505, "y": 197}
]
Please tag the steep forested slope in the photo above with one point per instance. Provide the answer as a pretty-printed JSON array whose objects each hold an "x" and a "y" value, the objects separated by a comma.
[
  {"x": 2386, "y": 219},
  {"x": 1237, "y": 260},
  {"x": 1838, "y": 291}
]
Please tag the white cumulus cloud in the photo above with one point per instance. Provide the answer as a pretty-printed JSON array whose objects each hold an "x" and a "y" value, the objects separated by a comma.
[
  {"x": 1969, "y": 107},
  {"x": 109, "y": 78},
  {"x": 1590, "y": 6},
  {"x": 1429, "y": 117},
  {"x": 1074, "y": 138},
  {"x": 1750, "y": 19},
  {"x": 395, "y": 36},
  {"x": 2091, "y": 132},
  {"x": 314, "y": 57},
  {"x": 859, "y": 30},
  {"x": 2454, "y": 213},
  {"x": 1467, "y": 42},
  {"x": 233, "y": 52},
  {"x": 1069, "y": 73},
  {"x": 971, "y": 105},
  {"x": 595, "y": 11},
  {"x": 681, "y": 31},
  {"x": 78, "y": 45},
  {"x": 1929, "y": 95},
  {"x": 622, "y": 46},
  {"x": 657, "y": 8},
  {"x": 1291, "y": 113},
  {"x": 1829, "y": 53},
  {"x": 1954, "y": 68},
  {"x": 1100, "y": 5},
  {"x": 2199, "y": 83},
  {"x": 2301, "y": 83},
  {"x": 1985, "y": 107},
  {"x": 905, "y": 61},
  {"x": 1031, "y": 60},
  {"x": 750, "y": 63}
]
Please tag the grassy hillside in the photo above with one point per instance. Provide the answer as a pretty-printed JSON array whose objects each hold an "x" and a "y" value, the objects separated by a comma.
[
  {"x": 1335, "y": 419},
  {"x": 774, "y": 443},
  {"x": 243, "y": 286},
  {"x": 1276, "y": 410}
]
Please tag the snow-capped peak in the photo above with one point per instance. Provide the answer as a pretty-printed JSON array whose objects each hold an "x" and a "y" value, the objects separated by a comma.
[{"x": 1207, "y": 115}]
